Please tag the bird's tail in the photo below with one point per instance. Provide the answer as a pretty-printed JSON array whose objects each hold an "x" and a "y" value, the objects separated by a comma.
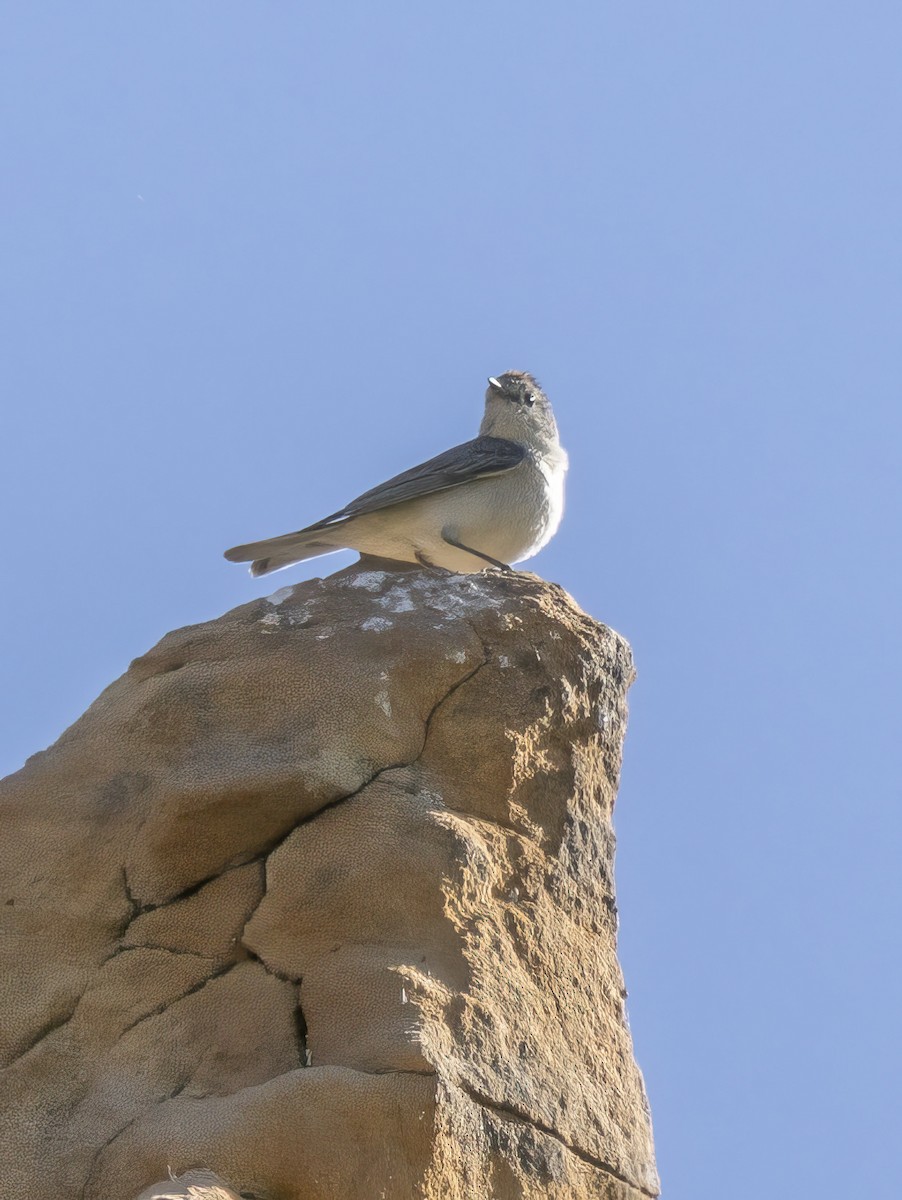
[{"x": 278, "y": 552}]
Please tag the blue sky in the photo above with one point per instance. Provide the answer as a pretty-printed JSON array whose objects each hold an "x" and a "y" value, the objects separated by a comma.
[{"x": 259, "y": 257}]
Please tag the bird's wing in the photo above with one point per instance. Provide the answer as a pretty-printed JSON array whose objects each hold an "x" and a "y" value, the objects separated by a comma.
[{"x": 478, "y": 459}]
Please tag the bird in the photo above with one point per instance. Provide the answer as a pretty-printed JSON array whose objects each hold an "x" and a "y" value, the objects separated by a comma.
[{"x": 487, "y": 503}]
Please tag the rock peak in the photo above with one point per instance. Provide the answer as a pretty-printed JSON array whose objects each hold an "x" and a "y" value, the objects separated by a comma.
[{"x": 318, "y": 897}]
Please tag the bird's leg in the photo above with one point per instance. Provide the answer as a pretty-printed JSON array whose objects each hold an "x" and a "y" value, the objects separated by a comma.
[
  {"x": 424, "y": 561},
  {"x": 476, "y": 553}
]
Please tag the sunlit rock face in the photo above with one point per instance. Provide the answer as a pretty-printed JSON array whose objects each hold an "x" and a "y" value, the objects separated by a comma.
[{"x": 316, "y": 901}]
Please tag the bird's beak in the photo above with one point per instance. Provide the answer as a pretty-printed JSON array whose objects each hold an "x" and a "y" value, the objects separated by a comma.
[{"x": 493, "y": 383}]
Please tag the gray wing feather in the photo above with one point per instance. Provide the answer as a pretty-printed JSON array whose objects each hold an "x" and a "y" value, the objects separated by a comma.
[{"x": 478, "y": 459}]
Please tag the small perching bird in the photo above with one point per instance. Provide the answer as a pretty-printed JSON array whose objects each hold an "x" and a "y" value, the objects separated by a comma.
[{"x": 495, "y": 500}]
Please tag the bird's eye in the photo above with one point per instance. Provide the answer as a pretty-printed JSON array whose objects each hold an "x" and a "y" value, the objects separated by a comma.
[{"x": 529, "y": 399}]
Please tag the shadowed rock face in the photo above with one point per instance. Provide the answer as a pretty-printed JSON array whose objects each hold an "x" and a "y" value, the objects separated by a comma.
[{"x": 318, "y": 897}]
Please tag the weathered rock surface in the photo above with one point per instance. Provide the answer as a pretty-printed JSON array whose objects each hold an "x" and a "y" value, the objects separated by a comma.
[{"x": 317, "y": 897}]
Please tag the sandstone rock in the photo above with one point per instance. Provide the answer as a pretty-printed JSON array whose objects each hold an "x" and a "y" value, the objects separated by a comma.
[
  {"x": 193, "y": 1185},
  {"x": 318, "y": 897}
]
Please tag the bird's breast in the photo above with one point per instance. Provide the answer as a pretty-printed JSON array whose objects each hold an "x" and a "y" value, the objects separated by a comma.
[
  {"x": 511, "y": 516},
  {"x": 553, "y": 467}
]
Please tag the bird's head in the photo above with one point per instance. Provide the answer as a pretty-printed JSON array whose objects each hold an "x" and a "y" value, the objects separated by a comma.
[{"x": 518, "y": 409}]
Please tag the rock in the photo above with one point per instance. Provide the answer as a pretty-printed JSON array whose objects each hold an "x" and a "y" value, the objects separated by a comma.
[
  {"x": 318, "y": 897},
  {"x": 193, "y": 1185}
]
